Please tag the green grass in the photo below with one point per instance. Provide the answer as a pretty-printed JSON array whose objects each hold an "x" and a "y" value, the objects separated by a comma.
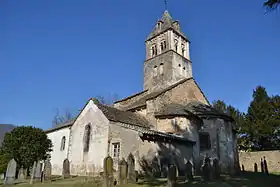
[{"x": 245, "y": 180}]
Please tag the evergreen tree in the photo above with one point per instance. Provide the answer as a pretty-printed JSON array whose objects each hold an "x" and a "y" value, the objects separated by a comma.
[
  {"x": 259, "y": 128},
  {"x": 258, "y": 119},
  {"x": 220, "y": 106},
  {"x": 26, "y": 144}
]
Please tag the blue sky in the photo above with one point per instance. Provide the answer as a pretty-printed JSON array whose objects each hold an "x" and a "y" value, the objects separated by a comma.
[{"x": 58, "y": 54}]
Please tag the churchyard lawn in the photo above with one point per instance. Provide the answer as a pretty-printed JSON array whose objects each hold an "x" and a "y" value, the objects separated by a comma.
[{"x": 246, "y": 180}]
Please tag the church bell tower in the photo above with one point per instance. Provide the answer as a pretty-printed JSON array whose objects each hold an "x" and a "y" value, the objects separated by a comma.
[{"x": 167, "y": 55}]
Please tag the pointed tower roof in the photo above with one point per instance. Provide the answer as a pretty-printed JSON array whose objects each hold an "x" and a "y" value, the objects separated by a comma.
[{"x": 166, "y": 22}]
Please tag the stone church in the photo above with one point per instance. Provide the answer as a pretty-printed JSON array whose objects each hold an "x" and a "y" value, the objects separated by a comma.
[{"x": 169, "y": 122}]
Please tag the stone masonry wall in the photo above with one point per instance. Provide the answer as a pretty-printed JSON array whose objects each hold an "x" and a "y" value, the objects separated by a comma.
[
  {"x": 182, "y": 94},
  {"x": 85, "y": 163},
  {"x": 249, "y": 158}
]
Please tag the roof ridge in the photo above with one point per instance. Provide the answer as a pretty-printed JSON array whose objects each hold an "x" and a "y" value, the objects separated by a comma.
[
  {"x": 131, "y": 96},
  {"x": 170, "y": 87},
  {"x": 152, "y": 95}
]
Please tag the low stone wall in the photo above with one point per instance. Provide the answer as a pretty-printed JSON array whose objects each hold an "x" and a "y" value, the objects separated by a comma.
[{"x": 248, "y": 159}]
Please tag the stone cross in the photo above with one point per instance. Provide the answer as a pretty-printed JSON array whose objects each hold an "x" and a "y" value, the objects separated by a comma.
[
  {"x": 10, "y": 172},
  {"x": 47, "y": 171},
  {"x": 172, "y": 176},
  {"x": 108, "y": 179},
  {"x": 123, "y": 172},
  {"x": 131, "y": 168},
  {"x": 66, "y": 169}
]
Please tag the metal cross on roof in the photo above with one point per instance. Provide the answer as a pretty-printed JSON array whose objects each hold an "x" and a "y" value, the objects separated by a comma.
[{"x": 165, "y": 4}]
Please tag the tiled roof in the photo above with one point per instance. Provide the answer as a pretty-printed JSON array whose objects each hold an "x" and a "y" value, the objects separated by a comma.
[
  {"x": 203, "y": 110},
  {"x": 173, "y": 110},
  {"x": 148, "y": 131},
  {"x": 167, "y": 23},
  {"x": 111, "y": 114},
  {"x": 194, "y": 108},
  {"x": 61, "y": 126},
  {"x": 131, "y": 96},
  {"x": 117, "y": 115}
]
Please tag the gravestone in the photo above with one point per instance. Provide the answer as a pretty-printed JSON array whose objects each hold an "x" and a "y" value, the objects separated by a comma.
[
  {"x": 33, "y": 171},
  {"x": 172, "y": 176},
  {"x": 216, "y": 169},
  {"x": 255, "y": 167},
  {"x": 189, "y": 171},
  {"x": 2, "y": 176},
  {"x": 38, "y": 171},
  {"x": 47, "y": 171},
  {"x": 123, "y": 170},
  {"x": 66, "y": 169},
  {"x": 10, "y": 172},
  {"x": 131, "y": 168},
  {"x": 21, "y": 174},
  {"x": 265, "y": 165},
  {"x": 108, "y": 179},
  {"x": 206, "y": 169}
]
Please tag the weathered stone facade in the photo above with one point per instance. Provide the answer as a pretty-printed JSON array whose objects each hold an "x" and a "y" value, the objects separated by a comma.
[
  {"x": 170, "y": 122},
  {"x": 167, "y": 55}
]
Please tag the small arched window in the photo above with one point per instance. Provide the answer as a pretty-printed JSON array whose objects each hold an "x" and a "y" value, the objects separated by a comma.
[
  {"x": 163, "y": 45},
  {"x": 155, "y": 71},
  {"x": 161, "y": 68},
  {"x": 154, "y": 50},
  {"x": 204, "y": 140},
  {"x": 62, "y": 145},
  {"x": 87, "y": 137},
  {"x": 159, "y": 25},
  {"x": 176, "y": 45},
  {"x": 183, "y": 50},
  {"x": 175, "y": 125}
]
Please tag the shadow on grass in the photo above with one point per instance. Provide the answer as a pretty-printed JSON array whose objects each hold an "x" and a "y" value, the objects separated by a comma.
[
  {"x": 245, "y": 179},
  {"x": 153, "y": 182}
]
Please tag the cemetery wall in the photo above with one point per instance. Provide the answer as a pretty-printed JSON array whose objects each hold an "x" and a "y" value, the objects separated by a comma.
[{"x": 249, "y": 158}]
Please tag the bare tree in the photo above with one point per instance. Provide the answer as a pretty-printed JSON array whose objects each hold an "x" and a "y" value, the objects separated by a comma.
[
  {"x": 107, "y": 100},
  {"x": 272, "y": 4},
  {"x": 66, "y": 116},
  {"x": 61, "y": 118}
]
